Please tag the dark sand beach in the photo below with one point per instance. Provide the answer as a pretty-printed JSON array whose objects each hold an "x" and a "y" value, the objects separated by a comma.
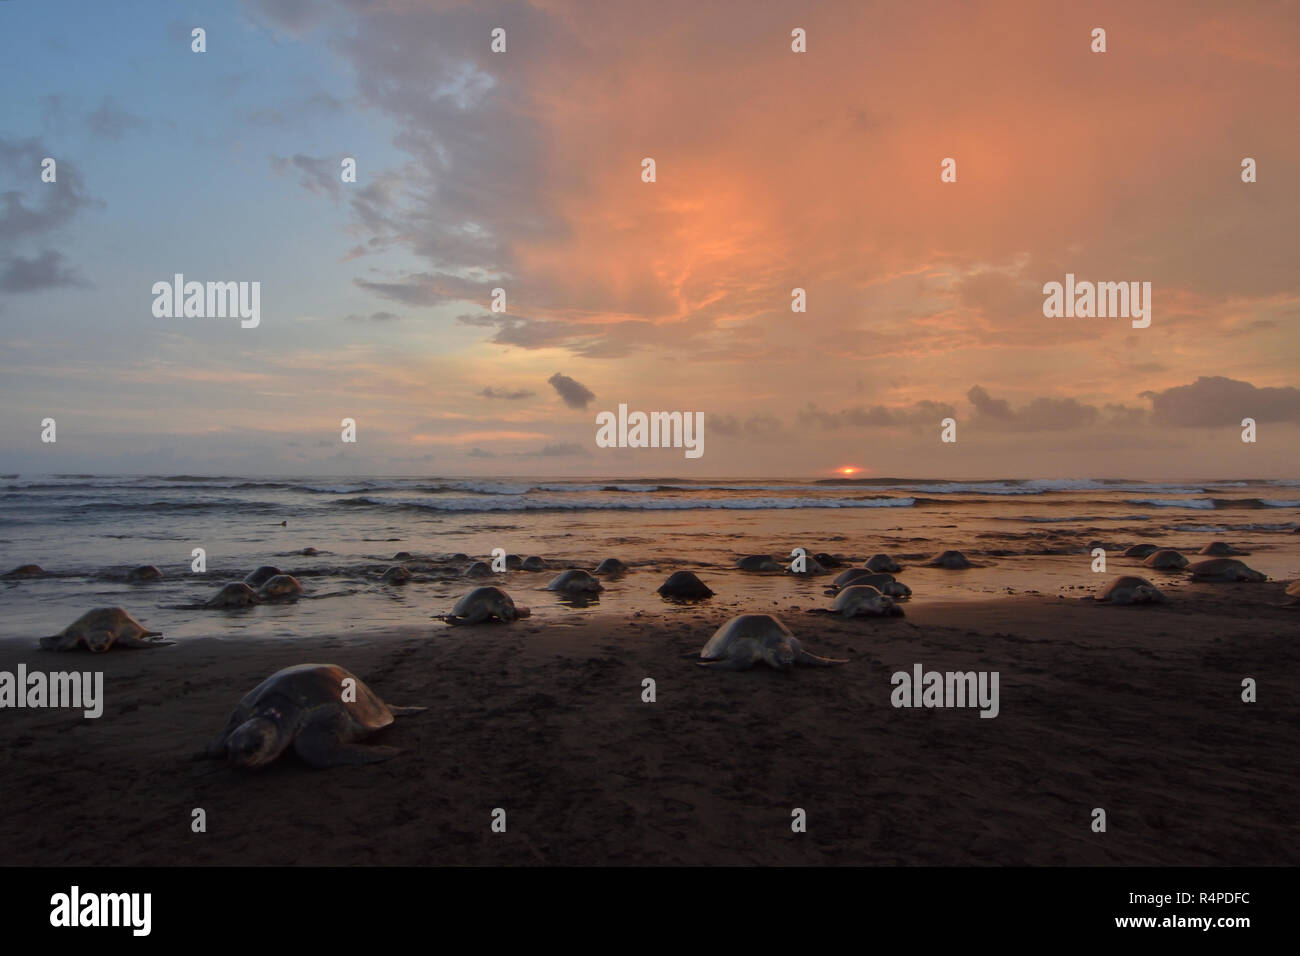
[{"x": 1135, "y": 710}]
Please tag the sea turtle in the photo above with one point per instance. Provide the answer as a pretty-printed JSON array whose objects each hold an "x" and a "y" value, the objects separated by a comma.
[
  {"x": 256, "y": 579},
  {"x": 749, "y": 638},
  {"x": 845, "y": 578},
  {"x": 1293, "y": 591},
  {"x": 684, "y": 584},
  {"x": 479, "y": 569},
  {"x": 1141, "y": 550},
  {"x": 884, "y": 583},
  {"x": 810, "y": 567},
  {"x": 1131, "y": 589},
  {"x": 26, "y": 571},
  {"x": 280, "y": 587},
  {"x": 395, "y": 575},
  {"x": 485, "y": 604},
  {"x": 309, "y": 552},
  {"x": 952, "y": 560},
  {"x": 237, "y": 594},
  {"x": 533, "y": 563},
  {"x": 145, "y": 572},
  {"x": 1166, "y": 559},
  {"x": 758, "y": 562},
  {"x": 828, "y": 560},
  {"x": 514, "y": 562},
  {"x": 1224, "y": 569},
  {"x": 883, "y": 562},
  {"x": 100, "y": 629},
  {"x": 575, "y": 581},
  {"x": 321, "y": 709},
  {"x": 862, "y": 600},
  {"x": 1220, "y": 549},
  {"x": 459, "y": 556},
  {"x": 610, "y": 566},
  {"x": 402, "y": 556}
]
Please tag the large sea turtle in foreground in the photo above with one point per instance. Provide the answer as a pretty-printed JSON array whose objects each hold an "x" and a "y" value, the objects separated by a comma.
[
  {"x": 1224, "y": 569},
  {"x": 749, "y": 638},
  {"x": 310, "y": 707},
  {"x": 485, "y": 604},
  {"x": 1131, "y": 589},
  {"x": 101, "y": 629}
]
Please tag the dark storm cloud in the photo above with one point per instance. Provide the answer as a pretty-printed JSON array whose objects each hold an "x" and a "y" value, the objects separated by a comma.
[{"x": 574, "y": 393}]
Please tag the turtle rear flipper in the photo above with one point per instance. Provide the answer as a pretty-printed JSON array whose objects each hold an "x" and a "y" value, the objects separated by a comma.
[
  {"x": 125, "y": 641},
  {"x": 803, "y": 657},
  {"x": 323, "y": 743}
]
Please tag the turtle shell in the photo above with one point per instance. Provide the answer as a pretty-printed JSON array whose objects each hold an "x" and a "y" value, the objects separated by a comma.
[{"x": 311, "y": 687}]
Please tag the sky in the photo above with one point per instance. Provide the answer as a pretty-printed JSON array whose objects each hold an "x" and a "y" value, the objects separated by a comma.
[{"x": 774, "y": 170}]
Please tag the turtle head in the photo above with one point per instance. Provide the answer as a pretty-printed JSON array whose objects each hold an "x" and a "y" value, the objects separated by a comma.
[
  {"x": 254, "y": 743},
  {"x": 779, "y": 655},
  {"x": 98, "y": 641}
]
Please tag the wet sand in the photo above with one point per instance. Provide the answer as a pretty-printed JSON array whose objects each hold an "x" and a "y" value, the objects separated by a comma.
[{"x": 1135, "y": 710}]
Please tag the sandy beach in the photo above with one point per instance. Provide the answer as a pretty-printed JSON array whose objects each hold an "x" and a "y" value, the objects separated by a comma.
[{"x": 1135, "y": 710}]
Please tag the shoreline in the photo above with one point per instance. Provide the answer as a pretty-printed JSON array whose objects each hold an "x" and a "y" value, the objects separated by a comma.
[{"x": 1136, "y": 710}]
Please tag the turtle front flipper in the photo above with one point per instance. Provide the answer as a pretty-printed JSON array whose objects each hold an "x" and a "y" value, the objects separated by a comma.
[
  {"x": 60, "y": 642},
  {"x": 803, "y": 657},
  {"x": 323, "y": 743}
]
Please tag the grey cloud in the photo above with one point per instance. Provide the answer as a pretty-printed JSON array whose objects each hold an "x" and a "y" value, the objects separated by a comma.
[
  {"x": 1217, "y": 400},
  {"x": 374, "y": 317},
  {"x": 110, "y": 121},
  {"x": 877, "y": 416},
  {"x": 507, "y": 394},
  {"x": 574, "y": 393},
  {"x": 317, "y": 174},
  {"x": 36, "y": 207},
  {"x": 425, "y": 289},
  {"x": 44, "y": 271},
  {"x": 560, "y": 450},
  {"x": 1042, "y": 414}
]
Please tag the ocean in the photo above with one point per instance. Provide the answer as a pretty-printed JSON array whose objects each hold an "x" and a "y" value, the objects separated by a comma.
[{"x": 1026, "y": 536}]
